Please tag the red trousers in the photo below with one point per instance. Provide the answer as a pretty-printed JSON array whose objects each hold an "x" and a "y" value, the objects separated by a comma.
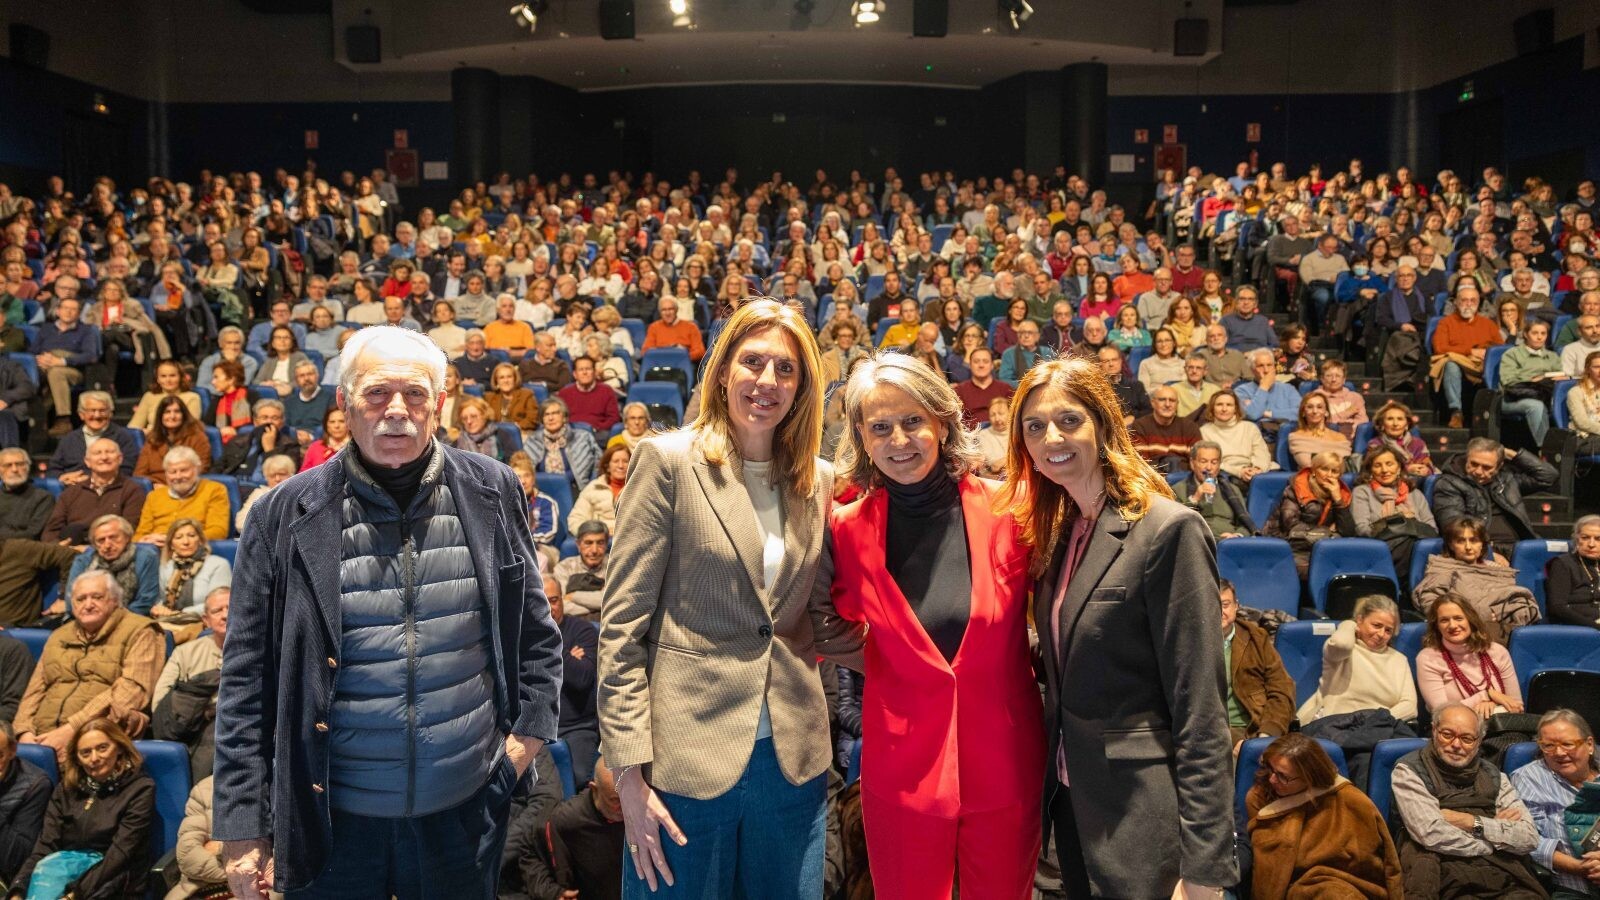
[{"x": 915, "y": 856}]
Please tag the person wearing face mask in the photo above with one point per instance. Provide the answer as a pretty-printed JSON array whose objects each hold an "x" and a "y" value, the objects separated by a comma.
[
  {"x": 97, "y": 828},
  {"x": 711, "y": 706},
  {"x": 931, "y": 570}
]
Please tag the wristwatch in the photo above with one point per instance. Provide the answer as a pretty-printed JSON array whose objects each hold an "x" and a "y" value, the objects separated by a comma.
[{"x": 1477, "y": 827}]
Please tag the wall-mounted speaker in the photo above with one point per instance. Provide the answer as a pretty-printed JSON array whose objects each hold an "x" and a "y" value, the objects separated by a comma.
[
  {"x": 363, "y": 44},
  {"x": 1190, "y": 37},
  {"x": 616, "y": 20},
  {"x": 930, "y": 18},
  {"x": 1535, "y": 31},
  {"x": 30, "y": 46}
]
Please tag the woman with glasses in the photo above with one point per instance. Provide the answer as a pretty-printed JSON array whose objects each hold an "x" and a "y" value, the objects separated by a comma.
[
  {"x": 1312, "y": 832},
  {"x": 1548, "y": 786}
]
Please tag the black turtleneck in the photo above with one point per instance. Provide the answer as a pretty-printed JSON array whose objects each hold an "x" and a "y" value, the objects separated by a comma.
[
  {"x": 400, "y": 483},
  {"x": 927, "y": 555}
]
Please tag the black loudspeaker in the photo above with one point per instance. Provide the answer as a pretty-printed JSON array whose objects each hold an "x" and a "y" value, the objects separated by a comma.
[
  {"x": 363, "y": 44},
  {"x": 930, "y": 18},
  {"x": 1190, "y": 37},
  {"x": 616, "y": 20},
  {"x": 30, "y": 46},
  {"x": 1535, "y": 31}
]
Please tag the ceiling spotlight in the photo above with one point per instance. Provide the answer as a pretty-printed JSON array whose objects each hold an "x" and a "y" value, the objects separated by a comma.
[
  {"x": 866, "y": 12},
  {"x": 680, "y": 13},
  {"x": 527, "y": 14},
  {"x": 1017, "y": 11}
]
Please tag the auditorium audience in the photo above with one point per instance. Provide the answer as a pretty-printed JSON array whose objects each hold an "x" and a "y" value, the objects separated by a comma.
[
  {"x": 507, "y": 400},
  {"x": 1163, "y": 365},
  {"x": 69, "y": 460},
  {"x": 1268, "y": 402},
  {"x": 1460, "y": 663},
  {"x": 1392, "y": 429},
  {"x": 1225, "y": 366},
  {"x": 1361, "y": 669},
  {"x": 582, "y": 598},
  {"x": 598, "y": 499},
  {"x": 171, "y": 427},
  {"x": 23, "y": 563},
  {"x": 479, "y": 433},
  {"x": 97, "y": 828},
  {"x": 1214, "y": 497},
  {"x": 1162, "y": 437},
  {"x": 243, "y": 453},
  {"x": 1572, "y": 591},
  {"x": 1312, "y": 832},
  {"x": 24, "y": 795},
  {"x": 580, "y": 850},
  {"x": 1467, "y": 833},
  {"x": 199, "y": 857},
  {"x": 135, "y": 566},
  {"x": 1315, "y": 506},
  {"x": 168, "y": 383}
]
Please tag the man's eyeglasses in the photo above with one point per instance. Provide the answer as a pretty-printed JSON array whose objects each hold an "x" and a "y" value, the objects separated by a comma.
[
  {"x": 1450, "y": 737},
  {"x": 1562, "y": 746}
]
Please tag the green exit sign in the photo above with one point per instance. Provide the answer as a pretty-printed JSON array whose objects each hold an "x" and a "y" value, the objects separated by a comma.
[{"x": 1467, "y": 93}]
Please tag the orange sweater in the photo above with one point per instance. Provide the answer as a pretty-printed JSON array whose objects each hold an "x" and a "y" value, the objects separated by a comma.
[
  {"x": 678, "y": 334},
  {"x": 1457, "y": 335}
]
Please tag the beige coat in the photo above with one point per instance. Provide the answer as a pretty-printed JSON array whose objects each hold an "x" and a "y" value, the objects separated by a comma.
[
  {"x": 134, "y": 317},
  {"x": 692, "y": 642}
]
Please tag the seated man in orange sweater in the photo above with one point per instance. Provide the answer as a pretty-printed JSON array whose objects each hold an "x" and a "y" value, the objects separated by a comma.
[
  {"x": 506, "y": 332},
  {"x": 1460, "y": 344},
  {"x": 670, "y": 331}
]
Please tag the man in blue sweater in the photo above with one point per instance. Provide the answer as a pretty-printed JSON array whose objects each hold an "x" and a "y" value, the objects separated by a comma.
[
  {"x": 1247, "y": 329},
  {"x": 62, "y": 350}
]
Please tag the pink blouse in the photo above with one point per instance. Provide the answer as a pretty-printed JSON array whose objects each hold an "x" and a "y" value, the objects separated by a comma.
[{"x": 1439, "y": 688}]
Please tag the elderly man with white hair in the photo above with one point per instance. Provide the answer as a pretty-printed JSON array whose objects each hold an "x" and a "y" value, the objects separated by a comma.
[
  {"x": 104, "y": 662},
  {"x": 393, "y": 667},
  {"x": 185, "y": 496}
]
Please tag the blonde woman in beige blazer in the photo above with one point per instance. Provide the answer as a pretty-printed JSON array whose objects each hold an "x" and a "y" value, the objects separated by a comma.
[{"x": 712, "y": 717}]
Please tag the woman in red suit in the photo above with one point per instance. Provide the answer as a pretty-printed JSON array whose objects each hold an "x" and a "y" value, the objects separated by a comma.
[{"x": 952, "y": 737}]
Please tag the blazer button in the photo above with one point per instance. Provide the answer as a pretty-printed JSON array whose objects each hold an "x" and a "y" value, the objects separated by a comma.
[
  {"x": 321, "y": 726},
  {"x": 333, "y": 663},
  {"x": 765, "y": 631},
  {"x": 316, "y": 788}
]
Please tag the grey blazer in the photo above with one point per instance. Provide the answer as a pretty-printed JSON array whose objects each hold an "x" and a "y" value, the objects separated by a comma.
[
  {"x": 1137, "y": 701},
  {"x": 692, "y": 641}
]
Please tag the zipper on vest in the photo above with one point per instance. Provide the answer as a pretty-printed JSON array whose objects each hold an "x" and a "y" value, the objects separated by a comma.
[{"x": 408, "y": 557}]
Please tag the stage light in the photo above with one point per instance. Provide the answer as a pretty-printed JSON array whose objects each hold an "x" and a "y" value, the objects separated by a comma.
[
  {"x": 680, "y": 13},
  {"x": 1017, "y": 11},
  {"x": 866, "y": 12},
  {"x": 527, "y": 14}
]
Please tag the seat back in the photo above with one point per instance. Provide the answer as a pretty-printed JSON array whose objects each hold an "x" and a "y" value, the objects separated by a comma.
[
  {"x": 1379, "y": 789},
  {"x": 1421, "y": 551},
  {"x": 1249, "y": 762},
  {"x": 1137, "y": 355},
  {"x": 510, "y": 437},
  {"x": 658, "y": 397},
  {"x": 32, "y": 638},
  {"x": 41, "y": 756},
  {"x": 1262, "y": 571},
  {"x": 1558, "y": 404},
  {"x": 1519, "y": 755},
  {"x": 228, "y": 550},
  {"x": 231, "y": 484},
  {"x": 1266, "y": 489},
  {"x": 50, "y": 485},
  {"x": 1531, "y": 559},
  {"x": 1299, "y": 645},
  {"x": 1284, "y": 458},
  {"x": 1409, "y": 642},
  {"x": 1574, "y": 689},
  {"x": 167, "y": 763},
  {"x": 670, "y": 375},
  {"x": 563, "y": 758},
  {"x": 1491, "y": 366},
  {"x": 1535, "y": 648},
  {"x": 677, "y": 357},
  {"x": 1345, "y": 590},
  {"x": 1346, "y": 556}
]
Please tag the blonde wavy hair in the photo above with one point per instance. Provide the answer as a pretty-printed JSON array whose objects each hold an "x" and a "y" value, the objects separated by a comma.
[
  {"x": 1042, "y": 508},
  {"x": 798, "y": 438},
  {"x": 959, "y": 449}
]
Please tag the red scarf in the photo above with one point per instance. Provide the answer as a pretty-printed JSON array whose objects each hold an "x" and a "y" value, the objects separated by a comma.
[
  {"x": 1491, "y": 673},
  {"x": 1303, "y": 496},
  {"x": 1401, "y": 489}
]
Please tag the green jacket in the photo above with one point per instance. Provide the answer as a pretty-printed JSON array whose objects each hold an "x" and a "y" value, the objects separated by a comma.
[{"x": 1521, "y": 364}]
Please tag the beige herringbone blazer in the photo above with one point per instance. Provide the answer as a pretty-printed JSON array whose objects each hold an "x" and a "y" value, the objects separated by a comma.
[{"x": 692, "y": 641}]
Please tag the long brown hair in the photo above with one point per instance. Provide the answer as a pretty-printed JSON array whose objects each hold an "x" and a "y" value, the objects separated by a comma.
[
  {"x": 1478, "y": 640},
  {"x": 72, "y": 773},
  {"x": 1040, "y": 506},
  {"x": 798, "y": 438}
]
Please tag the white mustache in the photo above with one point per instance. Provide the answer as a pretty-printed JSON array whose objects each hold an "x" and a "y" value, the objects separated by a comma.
[{"x": 400, "y": 427}]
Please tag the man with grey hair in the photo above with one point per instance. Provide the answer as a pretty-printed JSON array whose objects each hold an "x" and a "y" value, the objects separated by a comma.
[
  {"x": 104, "y": 662},
  {"x": 94, "y": 411},
  {"x": 275, "y": 471},
  {"x": 1548, "y": 786},
  {"x": 1154, "y": 303},
  {"x": 243, "y": 454},
  {"x": 394, "y": 668},
  {"x": 305, "y": 406},
  {"x": 230, "y": 345},
  {"x": 184, "y": 496},
  {"x": 1467, "y": 832},
  {"x": 104, "y": 489},
  {"x": 1487, "y": 483},
  {"x": 24, "y": 506},
  {"x": 1399, "y": 323}
]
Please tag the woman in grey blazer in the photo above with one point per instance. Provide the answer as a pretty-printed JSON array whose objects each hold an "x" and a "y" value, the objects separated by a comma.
[
  {"x": 1126, "y": 606},
  {"x": 712, "y": 716}
]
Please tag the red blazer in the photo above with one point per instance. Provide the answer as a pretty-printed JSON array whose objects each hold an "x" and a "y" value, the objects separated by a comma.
[{"x": 944, "y": 738}]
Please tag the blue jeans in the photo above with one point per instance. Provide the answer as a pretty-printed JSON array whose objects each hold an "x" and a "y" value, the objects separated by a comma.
[
  {"x": 1452, "y": 386},
  {"x": 1319, "y": 296},
  {"x": 454, "y": 853},
  {"x": 761, "y": 840},
  {"x": 1535, "y": 413}
]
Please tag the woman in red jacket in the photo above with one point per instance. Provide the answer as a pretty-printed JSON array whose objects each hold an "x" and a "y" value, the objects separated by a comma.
[{"x": 952, "y": 735}]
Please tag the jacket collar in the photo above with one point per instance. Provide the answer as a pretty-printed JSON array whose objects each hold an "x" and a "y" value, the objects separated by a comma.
[
  {"x": 1284, "y": 805},
  {"x": 730, "y": 501},
  {"x": 1105, "y": 544}
]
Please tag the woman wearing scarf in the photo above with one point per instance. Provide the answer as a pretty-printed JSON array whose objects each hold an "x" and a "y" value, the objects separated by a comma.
[
  {"x": 478, "y": 433},
  {"x": 230, "y": 411},
  {"x": 189, "y": 571},
  {"x": 1459, "y": 663},
  {"x": 1387, "y": 507},
  {"x": 558, "y": 448},
  {"x": 135, "y": 567},
  {"x": 96, "y": 836},
  {"x": 598, "y": 501},
  {"x": 1315, "y": 505},
  {"x": 1392, "y": 422}
]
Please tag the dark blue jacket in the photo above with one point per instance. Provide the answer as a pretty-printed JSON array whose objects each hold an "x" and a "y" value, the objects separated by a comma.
[
  {"x": 78, "y": 346},
  {"x": 282, "y": 653}
]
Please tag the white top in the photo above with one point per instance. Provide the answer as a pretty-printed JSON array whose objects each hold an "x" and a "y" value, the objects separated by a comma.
[
  {"x": 1354, "y": 677},
  {"x": 768, "y": 503}
]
